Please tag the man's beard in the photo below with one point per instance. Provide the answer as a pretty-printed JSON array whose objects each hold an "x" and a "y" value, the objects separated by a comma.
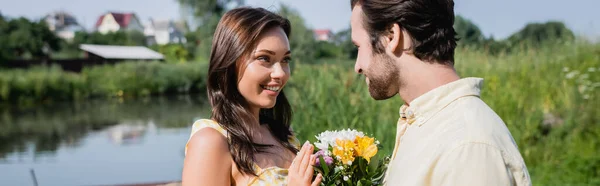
[{"x": 384, "y": 77}]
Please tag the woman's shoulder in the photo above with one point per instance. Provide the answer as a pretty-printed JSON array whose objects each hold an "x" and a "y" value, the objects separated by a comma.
[
  {"x": 208, "y": 139},
  {"x": 207, "y": 123},
  {"x": 206, "y": 157},
  {"x": 207, "y": 134}
]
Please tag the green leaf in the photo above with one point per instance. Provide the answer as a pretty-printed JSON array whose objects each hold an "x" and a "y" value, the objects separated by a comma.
[
  {"x": 349, "y": 182},
  {"x": 365, "y": 182},
  {"x": 324, "y": 165},
  {"x": 363, "y": 167}
]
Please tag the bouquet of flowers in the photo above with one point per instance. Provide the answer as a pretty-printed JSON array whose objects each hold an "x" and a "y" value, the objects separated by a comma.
[{"x": 345, "y": 158}]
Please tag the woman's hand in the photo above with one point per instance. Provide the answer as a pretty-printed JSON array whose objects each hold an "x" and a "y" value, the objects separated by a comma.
[{"x": 301, "y": 171}]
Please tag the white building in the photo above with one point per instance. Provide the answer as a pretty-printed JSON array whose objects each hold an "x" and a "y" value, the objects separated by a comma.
[
  {"x": 323, "y": 35},
  {"x": 164, "y": 32},
  {"x": 63, "y": 24},
  {"x": 113, "y": 22}
]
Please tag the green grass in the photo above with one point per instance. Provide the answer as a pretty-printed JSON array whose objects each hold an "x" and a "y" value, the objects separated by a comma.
[
  {"x": 548, "y": 98},
  {"x": 127, "y": 79}
]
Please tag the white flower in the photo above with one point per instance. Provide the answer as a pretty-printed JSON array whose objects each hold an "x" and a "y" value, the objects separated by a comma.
[
  {"x": 591, "y": 69},
  {"x": 327, "y": 138},
  {"x": 377, "y": 142},
  {"x": 346, "y": 178},
  {"x": 571, "y": 75},
  {"x": 584, "y": 76},
  {"x": 349, "y": 163},
  {"x": 587, "y": 96},
  {"x": 322, "y": 145},
  {"x": 582, "y": 88},
  {"x": 565, "y": 69}
]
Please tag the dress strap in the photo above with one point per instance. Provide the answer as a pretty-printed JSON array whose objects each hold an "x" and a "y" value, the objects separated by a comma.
[{"x": 202, "y": 124}]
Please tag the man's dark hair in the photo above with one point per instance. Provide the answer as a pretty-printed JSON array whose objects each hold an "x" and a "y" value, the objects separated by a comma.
[{"x": 428, "y": 22}]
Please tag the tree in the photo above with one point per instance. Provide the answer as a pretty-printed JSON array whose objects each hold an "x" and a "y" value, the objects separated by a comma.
[
  {"x": 302, "y": 40},
  {"x": 71, "y": 49},
  {"x": 537, "y": 34},
  {"x": 3, "y": 39},
  {"x": 326, "y": 49},
  {"x": 127, "y": 38},
  {"x": 207, "y": 13},
  {"x": 174, "y": 53},
  {"x": 468, "y": 33},
  {"x": 21, "y": 38},
  {"x": 343, "y": 39},
  {"x": 205, "y": 9}
]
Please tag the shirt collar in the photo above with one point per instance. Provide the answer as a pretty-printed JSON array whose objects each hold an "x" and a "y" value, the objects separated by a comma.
[{"x": 427, "y": 105}]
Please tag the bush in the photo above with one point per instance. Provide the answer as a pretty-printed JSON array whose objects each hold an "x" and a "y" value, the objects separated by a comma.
[{"x": 128, "y": 79}]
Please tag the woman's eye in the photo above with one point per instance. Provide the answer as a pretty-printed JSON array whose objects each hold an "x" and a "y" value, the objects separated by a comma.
[
  {"x": 287, "y": 60},
  {"x": 263, "y": 58}
]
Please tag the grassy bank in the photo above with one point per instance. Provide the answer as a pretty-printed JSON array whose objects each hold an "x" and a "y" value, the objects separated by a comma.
[{"x": 41, "y": 84}]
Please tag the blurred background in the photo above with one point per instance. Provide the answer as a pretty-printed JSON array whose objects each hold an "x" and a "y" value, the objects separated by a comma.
[{"x": 105, "y": 92}]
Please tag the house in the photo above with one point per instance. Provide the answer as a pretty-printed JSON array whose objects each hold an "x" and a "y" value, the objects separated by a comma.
[
  {"x": 113, "y": 22},
  {"x": 323, "y": 35},
  {"x": 63, "y": 24},
  {"x": 163, "y": 32},
  {"x": 112, "y": 53}
]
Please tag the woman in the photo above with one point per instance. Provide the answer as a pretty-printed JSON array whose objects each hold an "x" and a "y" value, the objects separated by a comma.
[{"x": 248, "y": 140}]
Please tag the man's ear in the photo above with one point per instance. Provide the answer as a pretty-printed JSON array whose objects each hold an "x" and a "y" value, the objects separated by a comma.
[{"x": 395, "y": 40}]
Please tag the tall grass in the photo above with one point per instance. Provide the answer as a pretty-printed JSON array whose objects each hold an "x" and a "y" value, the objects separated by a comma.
[
  {"x": 548, "y": 98},
  {"x": 39, "y": 84}
]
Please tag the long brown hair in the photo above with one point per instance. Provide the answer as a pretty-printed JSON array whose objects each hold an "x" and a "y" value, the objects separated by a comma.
[{"x": 236, "y": 35}]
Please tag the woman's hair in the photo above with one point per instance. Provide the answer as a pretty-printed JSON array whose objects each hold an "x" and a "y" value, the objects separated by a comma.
[{"x": 236, "y": 36}]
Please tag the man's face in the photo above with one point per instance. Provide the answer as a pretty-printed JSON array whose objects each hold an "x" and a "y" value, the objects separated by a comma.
[{"x": 382, "y": 75}]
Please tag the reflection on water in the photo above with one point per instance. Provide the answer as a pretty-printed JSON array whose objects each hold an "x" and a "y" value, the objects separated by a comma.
[{"x": 99, "y": 142}]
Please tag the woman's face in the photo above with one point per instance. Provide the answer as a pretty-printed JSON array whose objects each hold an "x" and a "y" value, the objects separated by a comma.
[{"x": 266, "y": 71}]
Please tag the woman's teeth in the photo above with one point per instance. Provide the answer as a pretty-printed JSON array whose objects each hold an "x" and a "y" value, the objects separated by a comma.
[{"x": 272, "y": 88}]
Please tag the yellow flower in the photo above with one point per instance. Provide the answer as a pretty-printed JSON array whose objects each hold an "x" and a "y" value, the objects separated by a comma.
[
  {"x": 365, "y": 147},
  {"x": 344, "y": 151}
]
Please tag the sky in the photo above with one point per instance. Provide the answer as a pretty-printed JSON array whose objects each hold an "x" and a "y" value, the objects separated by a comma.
[{"x": 499, "y": 18}]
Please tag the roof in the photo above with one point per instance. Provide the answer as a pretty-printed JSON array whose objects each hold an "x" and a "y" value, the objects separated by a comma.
[
  {"x": 61, "y": 18},
  {"x": 322, "y": 32},
  {"x": 123, "y": 19},
  {"x": 162, "y": 25},
  {"x": 165, "y": 25},
  {"x": 121, "y": 52}
]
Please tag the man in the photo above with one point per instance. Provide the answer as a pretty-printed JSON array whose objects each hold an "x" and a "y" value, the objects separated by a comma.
[{"x": 446, "y": 134}]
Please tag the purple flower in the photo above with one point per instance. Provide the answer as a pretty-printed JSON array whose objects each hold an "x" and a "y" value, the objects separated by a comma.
[{"x": 328, "y": 159}]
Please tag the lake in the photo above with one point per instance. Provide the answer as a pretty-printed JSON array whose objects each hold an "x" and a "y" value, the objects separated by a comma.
[{"x": 97, "y": 142}]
